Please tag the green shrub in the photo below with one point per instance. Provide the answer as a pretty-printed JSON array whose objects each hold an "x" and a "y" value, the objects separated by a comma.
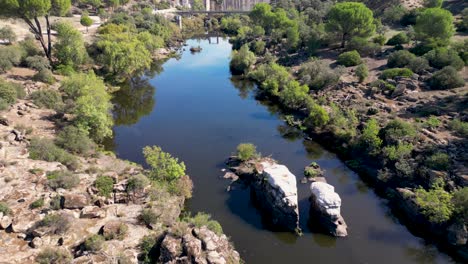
[
  {"x": 45, "y": 149},
  {"x": 399, "y": 59},
  {"x": 9, "y": 56},
  {"x": 398, "y": 152},
  {"x": 137, "y": 183},
  {"x": 62, "y": 179},
  {"x": 395, "y": 72},
  {"x": 56, "y": 223},
  {"x": 350, "y": 58},
  {"x": 183, "y": 186},
  {"x": 29, "y": 48},
  {"x": 460, "y": 203},
  {"x": 447, "y": 78},
  {"x": 398, "y": 130},
  {"x": 45, "y": 76},
  {"x": 164, "y": 167},
  {"x": 394, "y": 14},
  {"x": 104, "y": 185},
  {"x": 37, "y": 204},
  {"x": 370, "y": 137},
  {"x": 399, "y": 39},
  {"x": 246, "y": 151},
  {"x": 203, "y": 219},
  {"x": 75, "y": 140},
  {"x": 3, "y": 104},
  {"x": 54, "y": 256},
  {"x": 93, "y": 243},
  {"x": 149, "y": 216},
  {"x": 438, "y": 161},
  {"x": 242, "y": 60},
  {"x": 362, "y": 72},
  {"x": 383, "y": 85},
  {"x": 380, "y": 39},
  {"x": 436, "y": 203},
  {"x": 318, "y": 116},
  {"x": 4, "y": 208},
  {"x": 317, "y": 74},
  {"x": 66, "y": 70},
  {"x": 9, "y": 92},
  {"x": 7, "y": 34},
  {"x": 47, "y": 98},
  {"x": 459, "y": 127},
  {"x": 38, "y": 63},
  {"x": 56, "y": 202},
  {"x": 442, "y": 57},
  {"x": 364, "y": 47},
  {"x": 419, "y": 65},
  {"x": 432, "y": 122}
]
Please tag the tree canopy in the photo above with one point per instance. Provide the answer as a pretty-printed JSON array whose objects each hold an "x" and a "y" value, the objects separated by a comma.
[
  {"x": 434, "y": 26},
  {"x": 350, "y": 19}
]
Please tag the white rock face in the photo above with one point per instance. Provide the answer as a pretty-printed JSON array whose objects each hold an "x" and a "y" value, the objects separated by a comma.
[
  {"x": 326, "y": 197},
  {"x": 280, "y": 177},
  {"x": 325, "y": 209}
]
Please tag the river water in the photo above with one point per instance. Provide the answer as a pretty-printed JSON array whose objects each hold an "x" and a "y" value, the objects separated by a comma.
[{"x": 192, "y": 108}]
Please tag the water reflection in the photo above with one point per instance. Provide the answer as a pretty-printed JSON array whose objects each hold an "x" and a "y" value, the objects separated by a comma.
[{"x": 134, "y": 100}]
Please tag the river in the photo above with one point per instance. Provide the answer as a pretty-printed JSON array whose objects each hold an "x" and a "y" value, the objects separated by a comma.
[{"x": 192, "y": 108}]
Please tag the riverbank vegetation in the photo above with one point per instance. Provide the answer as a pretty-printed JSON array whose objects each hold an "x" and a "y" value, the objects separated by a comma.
[{"x": 370, "y": 79}]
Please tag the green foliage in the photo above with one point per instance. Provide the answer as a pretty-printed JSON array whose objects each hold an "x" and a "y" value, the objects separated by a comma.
[
  {"x": 246, "y": 151},
  {"x": 350, "y": 58},
  {"x": 398, "y": 39},
  {"x": 400, "y": 59},
  {"x": 364, "y": 47},
  {"x": 447, "y": 78},
  {"x": 149, "y": 216},
  {"x": 137, "y": 183},
  {"x": 395, "y": 72},
  {"x": 47, "y": 98},
  {"x": 317, "y": 74},
  {"x": 54, "y": 256},
  {"x": 398, "y": 130},
  {"x": 45, "y": 76},
  {"x": 62, "y": 179},
  {"x": 230, "y": 24},
  {"x": 147, "y": 246},
  {"x": 383, "y": 85},
  {"x": 459, "y": 127},
  {"x": 9, "y": 92},
  {"x": 45, "y": 149},
  {"x": 37, "y": 63},
  {"x": 434, "y": 26},
  {"x": 435, "y": 203},
  {"x": 442, "y": 57},
  {"x": 203, "y": 219},
  {"x": 418, "y": 65},
  {"x": 258, "y": 47},
  {"x": 272, "y": 77},
  {"x": 350, "y": 19},
  {"x": 29, "y": 48},
  {"x": 242, "y": 60},
  {"x": 164, "y": 167},
  {"x": 75, "y": 140},
  {"x": 394, "y": 14},
  {"x": 86, "y": 21},
  {"x": 438, "y": 161},
  {"x": 93, "y": 243},
  {"x": 362, "y": 72},
  {"x": 7, "y": 34},
  {"x": 432, "y": 122},
  {"x": 9, "y": 56},
  {"x": 57, "y": 223},
  {"x": 318, "y": 116},
  {"x": 433, "y": 3},
  {"x": 398, "y": 152},
  {"x": 370, "y": 137},
  {"x": 92, "y": 104},
  {"x": 104, "y": 185},
  {"x": 294, "y": 95},
  {"x": 460, "y": 203},
  {"x": 37, "y": 204},
  {"x": 70, "y": 48},
  {"x": 4, "y": 208}
]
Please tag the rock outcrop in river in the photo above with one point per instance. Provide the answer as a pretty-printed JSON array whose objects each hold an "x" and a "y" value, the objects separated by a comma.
[
  {"x": 274, "y": 190},
  {"x": 325, "y": 209}
]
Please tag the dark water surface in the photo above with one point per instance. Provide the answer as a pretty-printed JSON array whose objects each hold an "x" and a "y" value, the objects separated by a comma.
[{"x": 194, "y": 110}]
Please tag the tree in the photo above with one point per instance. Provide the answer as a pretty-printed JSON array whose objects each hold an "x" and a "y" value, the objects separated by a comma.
[
  {"x": 436, "y": 203},
  {"x": 242, "y": 60},
  {"x": 370, "y": 137},
  {"x": 362, "y": 72},
  {"x": 86, "y": 21},
  {"x": 91, "y": 106},
  {"x": 434, "y": 26},
  {"x": 70, "y": 49},
  {"x": 350, "y": 19},
  {"x": 163, "y": 165},
  {"x": 30, "y": 11}
]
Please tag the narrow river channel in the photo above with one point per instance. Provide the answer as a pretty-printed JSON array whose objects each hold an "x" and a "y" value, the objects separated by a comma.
[{"x": 195, "y": 111}]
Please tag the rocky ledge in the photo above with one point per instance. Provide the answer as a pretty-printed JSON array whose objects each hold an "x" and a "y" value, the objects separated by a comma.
[
  {"x": 325, "y": 209},
  {"x": 274, "y": 190}
]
